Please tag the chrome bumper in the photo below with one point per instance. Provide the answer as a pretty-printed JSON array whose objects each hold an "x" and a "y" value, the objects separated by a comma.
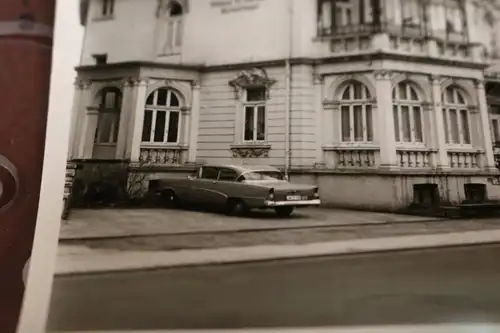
[{"x": 315, "y": 202}]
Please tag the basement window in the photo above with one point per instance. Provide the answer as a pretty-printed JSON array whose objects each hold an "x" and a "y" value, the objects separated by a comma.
[
  {"x": 475, "y": 193},
  {"x": 100, "y": 59},
  {"x": 426, "y": 195}
]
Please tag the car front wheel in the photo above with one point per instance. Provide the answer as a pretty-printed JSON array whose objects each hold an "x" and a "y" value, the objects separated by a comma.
[
  {"x": 236, "y": 207},
  {"x": 284, "y": 211}
]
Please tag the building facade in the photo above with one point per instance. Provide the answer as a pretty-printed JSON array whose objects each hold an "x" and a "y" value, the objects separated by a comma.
[{"x": 383, "y": 103}]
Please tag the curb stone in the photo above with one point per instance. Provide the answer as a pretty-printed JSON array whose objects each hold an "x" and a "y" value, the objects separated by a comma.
[{"x": 112, "y": 261}]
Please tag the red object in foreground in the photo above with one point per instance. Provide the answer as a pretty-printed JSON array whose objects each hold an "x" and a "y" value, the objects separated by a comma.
[{"x": 26, "y": 29}]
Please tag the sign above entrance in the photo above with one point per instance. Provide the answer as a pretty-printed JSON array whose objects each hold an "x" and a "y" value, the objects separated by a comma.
[{"x": 233, "y": 6}]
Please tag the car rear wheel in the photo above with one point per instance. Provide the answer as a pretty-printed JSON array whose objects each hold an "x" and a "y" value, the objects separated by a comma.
[
  {"x": 236, "y": 207},
  {"x": 170, "y": 198},
  {"x": 284, "y": 211}
]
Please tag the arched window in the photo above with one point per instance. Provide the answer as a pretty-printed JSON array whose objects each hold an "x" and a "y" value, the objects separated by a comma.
[
  {"x": 255, "y": 114},
  {"x": 456, "y": 116},
  {"x": 356, "y": 113},
  {"x": 161, "y": 117},
  {"x": 407, "y": 113},
  {"x": 109, "y": 107},
  {"x": 173, "y": 37}
]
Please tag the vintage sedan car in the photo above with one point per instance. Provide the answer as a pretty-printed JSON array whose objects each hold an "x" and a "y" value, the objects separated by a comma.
[{"x": 239, "y": 188}]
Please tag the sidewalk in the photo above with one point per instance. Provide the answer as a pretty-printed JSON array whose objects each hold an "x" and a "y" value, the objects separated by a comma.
[
  {"x": 119, "y": 223},
  {"x": 81, "y": 260}
]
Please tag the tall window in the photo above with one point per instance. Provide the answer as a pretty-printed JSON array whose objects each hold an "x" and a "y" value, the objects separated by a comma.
[
  {"x": 495, "y": 119},
  {"x": 454, "y": 18},
  {"x": 161, "y": 117},
  {"x": 356, "y": 113},
  {"x": 456, "y": 117},
  {"x": 411, "y": 12},
  {"x": 173, "y": 37},
  {"x": 107, "y": 8},
  {"x": 407, "y": 113},
  {"x": 495, "y": 128},
  {"x": 255, "y": 114},
  {"x": 343, "y": 13},
  {"x": 335, "y": 15},
  {"x": 110, "y": 100}
]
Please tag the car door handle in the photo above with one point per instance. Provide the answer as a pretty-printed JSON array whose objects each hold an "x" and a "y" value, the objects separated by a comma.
[{"x": 214, "y": 182}]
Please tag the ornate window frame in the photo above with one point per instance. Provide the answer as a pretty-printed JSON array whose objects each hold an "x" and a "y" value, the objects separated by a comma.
[{"x": 244, "y": 80}]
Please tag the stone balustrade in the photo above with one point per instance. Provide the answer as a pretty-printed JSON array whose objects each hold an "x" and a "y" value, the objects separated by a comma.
[
  {"x": 464, "y": 159},
  {"x": 162, "y": 155},
  {"x": 415, "y": 158}
]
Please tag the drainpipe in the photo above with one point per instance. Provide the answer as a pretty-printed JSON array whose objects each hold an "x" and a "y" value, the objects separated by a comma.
[{"x": 288, "y": 90}]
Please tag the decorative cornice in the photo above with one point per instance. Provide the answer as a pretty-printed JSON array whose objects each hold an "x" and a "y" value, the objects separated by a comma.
[
  {"x": 381, "y": 75},
  {"x": 478, "y": 84},
  {"x": 138, "y": 81},
  {"x": 318, "y": 79},
  {"x": 281, "y": 62},
  {"x": 435, "y": 79},
  {"x": 82, "y": 83},
  {"x": 195, "y": 84}
]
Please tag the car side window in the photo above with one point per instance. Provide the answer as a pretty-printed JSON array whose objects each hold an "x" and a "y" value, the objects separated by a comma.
[
  {"x": 209, "y": 173},
  {"x": 227, "y": 175}
]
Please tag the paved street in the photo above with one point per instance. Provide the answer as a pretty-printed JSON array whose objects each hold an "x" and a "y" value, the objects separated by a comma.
[
  {"x": 431, "y": 286},
  {"x": 133, "y": 222}
]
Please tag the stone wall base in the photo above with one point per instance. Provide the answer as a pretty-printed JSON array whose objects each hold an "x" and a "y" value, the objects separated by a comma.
[
  {"x": 393, "y": 193},
  {"x": 376, "y": 191}
]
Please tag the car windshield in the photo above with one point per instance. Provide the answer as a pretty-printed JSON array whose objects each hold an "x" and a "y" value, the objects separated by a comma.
[{"x": 262, "y": 175}]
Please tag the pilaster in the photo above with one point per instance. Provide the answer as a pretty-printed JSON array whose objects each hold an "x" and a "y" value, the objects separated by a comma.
[
  {"x": 438, "y": 120},
  {"x": 318, "y": 110},
  {"x": 79, "y": 112},
  {"x": 385, "y": 118},
  {"x": 89, "y": 128},
  {"x": 489, "y": 164},
  {"x": 125, "y": 114},
  {"x": 194, "y": 123},
  {"x": 140, "y": 87}
]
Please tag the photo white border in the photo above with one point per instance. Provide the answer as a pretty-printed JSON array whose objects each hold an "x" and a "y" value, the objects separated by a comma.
[
  {"x": 42, "y": 263},
  {"x": 34, "y": 313}
]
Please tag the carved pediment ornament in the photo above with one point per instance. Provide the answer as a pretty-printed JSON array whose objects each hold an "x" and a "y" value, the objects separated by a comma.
[
  {"x": 256, "y": 77},
  {"x": 250, "y": 152}
]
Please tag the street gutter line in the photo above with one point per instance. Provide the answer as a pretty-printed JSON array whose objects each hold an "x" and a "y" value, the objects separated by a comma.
[
  {"x": 242, "y": 230},
  {"x": 100, "y": 262}
]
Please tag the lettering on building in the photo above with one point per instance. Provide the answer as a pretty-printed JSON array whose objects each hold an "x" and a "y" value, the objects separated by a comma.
[{"x": 233, "y": 6}]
